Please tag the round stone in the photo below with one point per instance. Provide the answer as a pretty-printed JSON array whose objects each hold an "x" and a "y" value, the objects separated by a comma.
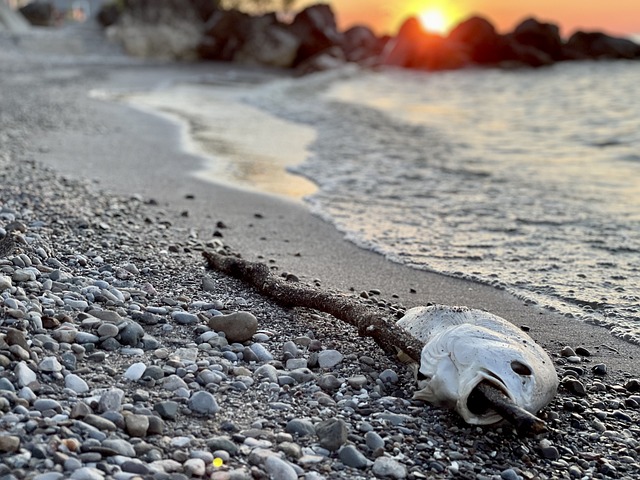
[
  {"x": 278, "y": 468},
  {"x": 352, "y": 457},
  {"x": 131, "y": 334},
  {"x": 203, "y": 403},
  {"x": 135, "y": 371},
  {"x": 184, "y": 318},
  {"x": 373, "y": 441},
  {"x": 137, "y": 425},
  {"x": 261, "y": 352},
  {"x": 108, "y": 330},
  {"x": 75, "y": 383},
  {"x": 237, "y": 326},
  {"x": 300, "y": 427},
  {"x": 388, "y": 467},
  {"x": 329, "y": 358},
  {"x": 388, "y": 376}
]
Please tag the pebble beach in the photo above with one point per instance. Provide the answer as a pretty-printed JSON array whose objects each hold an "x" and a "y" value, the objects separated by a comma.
[{"x": 123, "y": 357}]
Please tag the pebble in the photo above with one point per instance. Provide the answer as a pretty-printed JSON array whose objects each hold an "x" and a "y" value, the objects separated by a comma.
[
  {"x": 300, "y": 427},
  {"x": 237, "y": 326},
  {"x": 135, "y": 371},
  {"x": 329, "y": 358},
  {"x": 388, "y": 467},
  {"x": 75, "y": 383},
  {"x": 278, "y": 468},
  {"x": 332, "y": 433},
  {"x": 373, "y": 440},
  {"x": 203, "y": 403},
  {"x": 185, "y": 318},
  {"x": 262, "y": 354},
  {"x": 352, "y": 457}
]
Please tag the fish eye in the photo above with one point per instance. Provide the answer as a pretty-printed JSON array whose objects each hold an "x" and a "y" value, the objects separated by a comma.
[{"x": 520, "y": 368}]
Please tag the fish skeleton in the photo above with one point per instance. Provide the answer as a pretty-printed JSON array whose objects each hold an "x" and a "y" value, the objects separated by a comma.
[{"x": 465, "y": 347}]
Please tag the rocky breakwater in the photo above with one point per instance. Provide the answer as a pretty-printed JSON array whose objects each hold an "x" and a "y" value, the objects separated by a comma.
[
  {"x": 122, "y": 358},
  {"x": 476, "y": 42},
  {"x": 194, "y": 30}
]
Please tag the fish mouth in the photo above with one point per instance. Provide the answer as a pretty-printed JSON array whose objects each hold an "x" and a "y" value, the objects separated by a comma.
[{"x": 477, "y": 410}]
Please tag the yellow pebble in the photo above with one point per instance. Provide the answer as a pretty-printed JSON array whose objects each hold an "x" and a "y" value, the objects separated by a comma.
[{"x": 217, "y": 462}]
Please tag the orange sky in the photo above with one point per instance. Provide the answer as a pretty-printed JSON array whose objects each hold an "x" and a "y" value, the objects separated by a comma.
[{"x": 619, "y": 17}]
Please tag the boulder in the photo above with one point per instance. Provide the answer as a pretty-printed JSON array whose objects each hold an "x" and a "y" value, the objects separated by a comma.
[
  {"x": 541, "y": 36},
  {"x": 415, "y": 48},
  {"x": 359, "y": 43},
  {"x": 224, "y": 35},
  {"x": 600, "y": 45},
  {"x": 268, "y": 43},
  {"x": 42, "y": 14},
  {"x": 316, "y": 28},
  {"x": 483, "y": 43},
  {"x": 406, "y": 46}
]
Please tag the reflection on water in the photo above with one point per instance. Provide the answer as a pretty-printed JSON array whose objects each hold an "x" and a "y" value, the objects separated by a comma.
[
  {"x": 528, "y": 180},
  {"x": 244, "y": 146}
]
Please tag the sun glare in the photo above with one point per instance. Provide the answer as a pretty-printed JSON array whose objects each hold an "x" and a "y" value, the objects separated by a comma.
[{"x": 433, "y": 21}]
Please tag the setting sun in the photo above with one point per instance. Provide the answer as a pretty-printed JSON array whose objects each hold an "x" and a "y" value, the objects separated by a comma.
[{"x": 433, "y": 21}]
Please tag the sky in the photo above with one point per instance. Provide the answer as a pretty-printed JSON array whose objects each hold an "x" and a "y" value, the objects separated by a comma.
[{"x": 618, "y": 17}]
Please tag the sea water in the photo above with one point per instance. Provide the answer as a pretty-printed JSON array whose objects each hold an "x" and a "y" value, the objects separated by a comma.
[{"x": 527, "y": 180}]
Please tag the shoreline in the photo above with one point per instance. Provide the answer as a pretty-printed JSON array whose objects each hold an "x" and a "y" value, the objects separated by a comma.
[
  {"x": 103, "y": 227},
  {"x": 287, "y": 233}
]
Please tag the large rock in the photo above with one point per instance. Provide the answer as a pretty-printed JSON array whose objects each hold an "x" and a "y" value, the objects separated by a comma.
[
  {"x": 268, "y": 43},
  {"x": 225, "y": 33},
  {"x": 316, "y": 28},
  {"x": 600, "y": 45},
  {"x": 541, "y": 36},
  {"x": 484, "y": 44},
  {"x": 42, "y": 14},
  {"x": 360, "y": 44},
  {"x": 415, "y": 48}
]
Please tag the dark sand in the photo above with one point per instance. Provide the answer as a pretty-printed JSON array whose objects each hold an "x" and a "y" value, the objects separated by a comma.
[{"x": 128, "y": 151}]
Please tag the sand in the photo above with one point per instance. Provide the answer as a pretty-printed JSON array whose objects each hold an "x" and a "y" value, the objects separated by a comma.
[{"x": 129, "y": 151}]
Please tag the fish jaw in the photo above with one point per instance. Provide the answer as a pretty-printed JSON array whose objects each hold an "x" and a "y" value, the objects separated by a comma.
[
  {"x": 448, "y": 389},
  {"x": 465, "y": 405}
]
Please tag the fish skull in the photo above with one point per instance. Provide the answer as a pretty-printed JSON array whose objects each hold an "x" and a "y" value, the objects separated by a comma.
[{"x": 463, "y": 351}]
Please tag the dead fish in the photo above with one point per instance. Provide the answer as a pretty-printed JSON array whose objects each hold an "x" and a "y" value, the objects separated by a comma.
[{"x": 464, "y": 348}]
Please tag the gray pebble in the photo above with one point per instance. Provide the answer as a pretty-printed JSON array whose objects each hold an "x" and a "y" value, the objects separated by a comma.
[
  {"x": 300, "y": 426},
  {"x": 237, "y": 326},
  {"x": 329, "y": 358},
  {"x": 203, "y": 403},
  {"x": 352, "y": 457},
  {"x": 373, "y": 441},
  {"x": 332, "y": 433},
  {"x": 75, "y": 383},
  {"x": 388, "y": 467},
  {"x": 262, "y": 354},
  {"x": 388, "y": 376},
  {"x": 185, "y": 318},
  {"x": 278, "y": 468}
]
